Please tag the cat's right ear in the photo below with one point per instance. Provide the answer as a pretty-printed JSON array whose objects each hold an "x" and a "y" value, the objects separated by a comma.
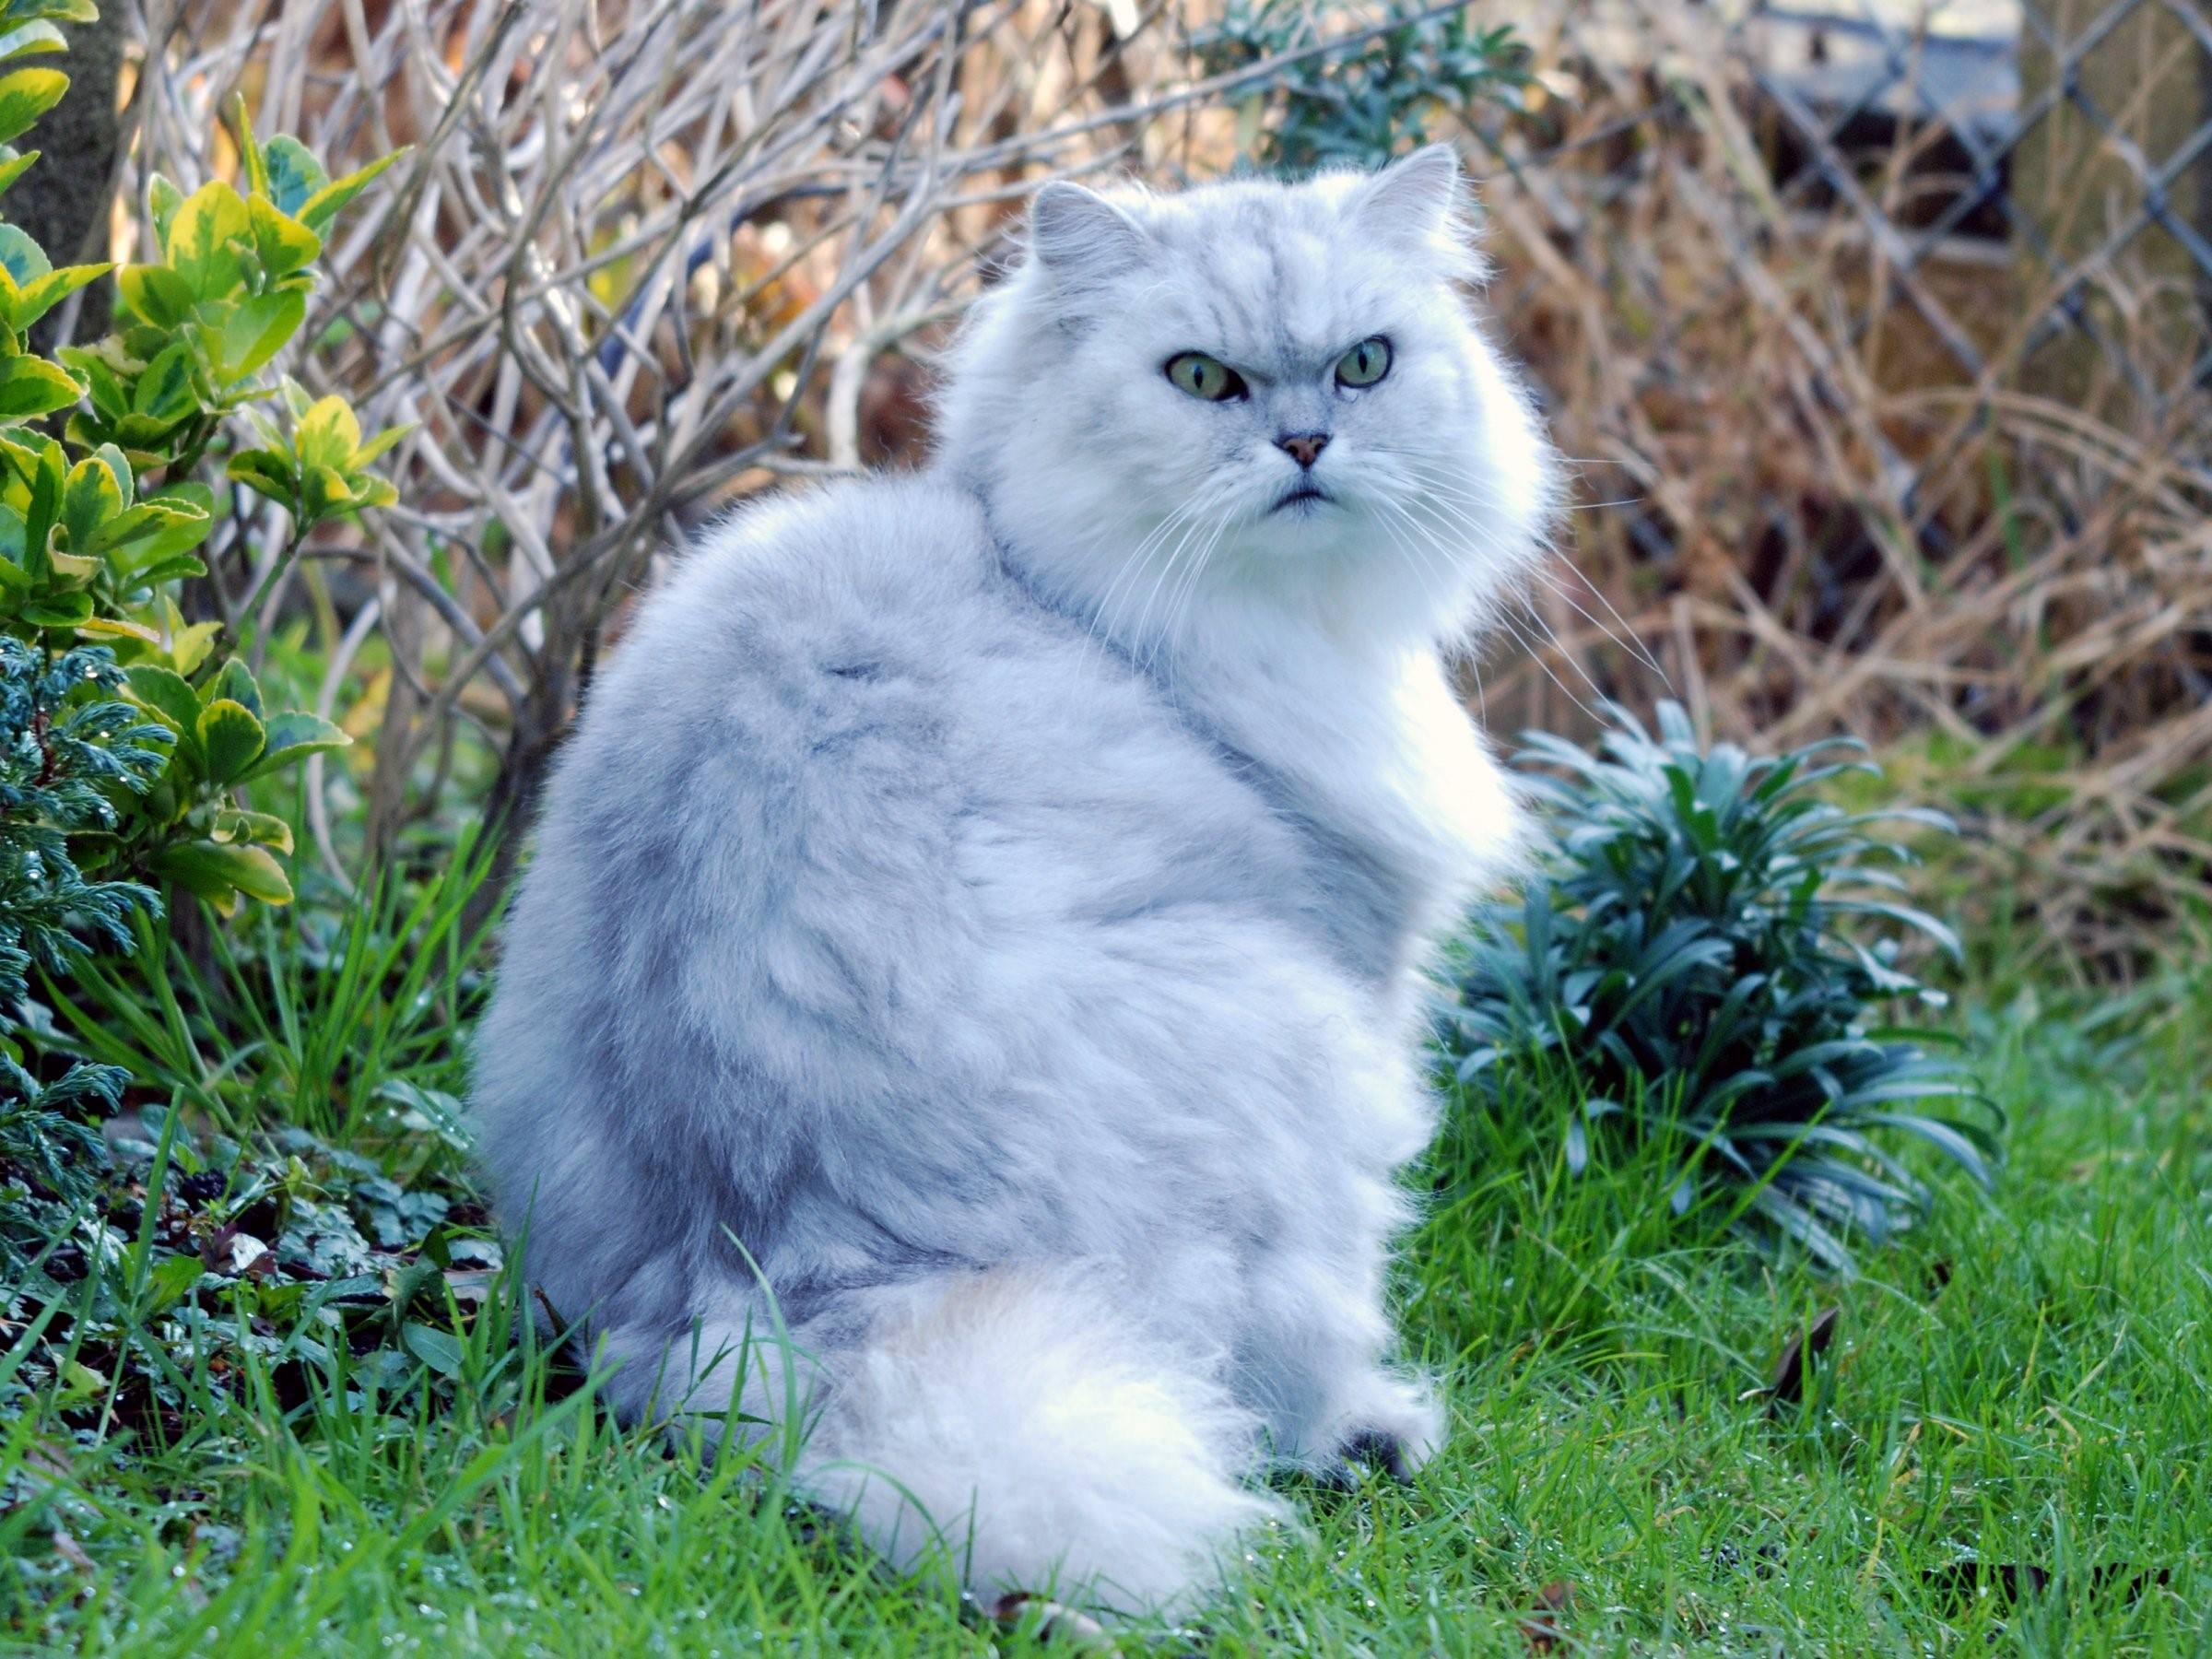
[{"x": 1079, "y": 236}]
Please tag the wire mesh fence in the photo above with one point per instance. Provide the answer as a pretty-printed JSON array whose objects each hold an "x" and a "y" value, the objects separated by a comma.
[{"x": 1882, "y": 336}]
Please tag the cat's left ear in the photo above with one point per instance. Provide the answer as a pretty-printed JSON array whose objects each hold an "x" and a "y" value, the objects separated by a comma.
[
  {"x": 1081, "y": 237},
  {"x": 1418, "y": 200}
]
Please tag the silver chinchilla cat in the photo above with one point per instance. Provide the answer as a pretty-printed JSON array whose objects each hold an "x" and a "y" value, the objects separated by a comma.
[{"x": 969, "y": 990}]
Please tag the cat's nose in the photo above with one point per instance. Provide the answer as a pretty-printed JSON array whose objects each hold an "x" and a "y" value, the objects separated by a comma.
[{"x": 1303, "y": 447}]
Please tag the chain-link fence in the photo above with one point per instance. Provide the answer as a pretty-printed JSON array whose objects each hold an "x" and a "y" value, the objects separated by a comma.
[
  {"x": 2065, "y": 145},
  {"x": 1882, "y": 336}
]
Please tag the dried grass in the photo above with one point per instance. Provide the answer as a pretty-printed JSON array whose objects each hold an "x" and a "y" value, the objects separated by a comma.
[
  {"x": 646, "y": 257},
  {"x": 1818, "y": 522}
]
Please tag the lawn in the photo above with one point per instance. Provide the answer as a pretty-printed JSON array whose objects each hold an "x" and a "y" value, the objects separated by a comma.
[{"x": 2004, "y": 1442}]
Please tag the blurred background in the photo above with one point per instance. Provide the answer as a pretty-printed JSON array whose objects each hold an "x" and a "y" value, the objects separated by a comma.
[{"x": 1878, "y": 334}]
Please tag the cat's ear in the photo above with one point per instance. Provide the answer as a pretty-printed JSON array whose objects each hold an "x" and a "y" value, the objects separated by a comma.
[
  {"x": 1420, "y": 200},
  {"x": 1077, "y": 234}
]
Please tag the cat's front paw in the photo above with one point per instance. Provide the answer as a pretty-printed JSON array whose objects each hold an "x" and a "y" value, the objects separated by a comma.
[
  {"x": 1375, "y": 1449},
  {"x": 1398, "y": 1431}
]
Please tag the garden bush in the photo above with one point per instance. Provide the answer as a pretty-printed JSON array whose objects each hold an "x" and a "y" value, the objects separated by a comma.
[
  {"x": 131, "y": 726},
  {"x": 1688, "y": 955},
  {"x": 1358, "y": 107}
]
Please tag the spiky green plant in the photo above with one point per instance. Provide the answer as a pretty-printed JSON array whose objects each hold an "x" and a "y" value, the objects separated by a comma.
[
  {"x": 1381, "y": 96},
  {"x": 1691, "y": 953}
]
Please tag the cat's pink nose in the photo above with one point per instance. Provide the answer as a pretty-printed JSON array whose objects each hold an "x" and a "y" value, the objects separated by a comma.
[{"x": 1303, "y": 447}]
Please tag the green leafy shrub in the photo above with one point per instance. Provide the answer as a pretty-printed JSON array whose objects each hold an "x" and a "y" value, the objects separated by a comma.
[
  {"x": 127, "y": 733},
  {"x": 100, "y": 523},
  {"x": 1363, "y": 105},
  {"x": 1688, "y": 955}
]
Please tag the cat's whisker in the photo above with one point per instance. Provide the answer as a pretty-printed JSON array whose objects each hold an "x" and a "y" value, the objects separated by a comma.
[
  {"x": 1133, "y": 569},
  {"x": 1536, "y": 651},
  {"x": 1182, "y": 543},
  {"x": 1179, "y": 604},
  {"x": 1429, "y": 563},
  {"x": 1626, "y": 640},
  {"x": 1506, "y": 618}
]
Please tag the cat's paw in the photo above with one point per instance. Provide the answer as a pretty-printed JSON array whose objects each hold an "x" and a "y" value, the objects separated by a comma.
[
  {"x": 1376, "y": 1449},
  {"x": 1396, "y": 1431}
]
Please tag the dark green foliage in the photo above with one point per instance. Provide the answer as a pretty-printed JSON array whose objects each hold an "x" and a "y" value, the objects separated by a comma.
[
  {"x": 1688, "y": 956},
  {"x": 1362, "y": 106},
  {"x": 151, "y": 1263},
  {"x": 69, "y": 751},
  {"x": 51, "y": 1160},
  {"x": 127, "y": 734},
  {"x": 148, "y": 1278}
]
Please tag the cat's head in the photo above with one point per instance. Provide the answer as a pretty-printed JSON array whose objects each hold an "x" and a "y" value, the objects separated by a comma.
[{"x": 1252, "y": 392}]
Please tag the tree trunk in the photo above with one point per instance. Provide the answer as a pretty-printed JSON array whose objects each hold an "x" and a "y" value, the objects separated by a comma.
[{"x": 64, "y": 201}]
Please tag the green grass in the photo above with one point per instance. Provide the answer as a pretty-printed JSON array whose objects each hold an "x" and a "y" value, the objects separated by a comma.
[{"x": 2024, "y": 1382}]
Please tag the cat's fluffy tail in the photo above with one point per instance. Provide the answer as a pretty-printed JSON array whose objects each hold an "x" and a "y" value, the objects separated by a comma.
[{"x": 1011, "y": 1421}]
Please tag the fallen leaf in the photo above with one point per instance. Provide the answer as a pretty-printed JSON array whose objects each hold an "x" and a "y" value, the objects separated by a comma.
[
  {"x": 471, "y": 1287},
  {"x": 1805, "y": 1345},
  {"x": 71, "y": 1552},
  {"x": 1540, "y": 1628},
  {"x": 1059, "y": 1623}
]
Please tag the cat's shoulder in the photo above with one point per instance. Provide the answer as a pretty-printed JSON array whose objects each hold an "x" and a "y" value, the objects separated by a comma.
[{"x": 863, "y": 553}]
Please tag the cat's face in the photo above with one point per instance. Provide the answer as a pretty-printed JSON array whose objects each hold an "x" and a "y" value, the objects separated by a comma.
[{"x": 1253, "y": 388}]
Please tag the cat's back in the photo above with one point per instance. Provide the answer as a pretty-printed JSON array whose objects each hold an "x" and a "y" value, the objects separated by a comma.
[
  {"x": 851, "y": 581},
  {"x": 839, "y": 761}
]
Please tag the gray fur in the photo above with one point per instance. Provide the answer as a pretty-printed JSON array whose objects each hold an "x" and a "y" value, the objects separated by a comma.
[{"x": 1003, "y": 968}]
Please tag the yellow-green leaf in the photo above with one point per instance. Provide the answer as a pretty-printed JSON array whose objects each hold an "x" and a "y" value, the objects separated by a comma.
[
  {"x": 263, "y": 471},
  {"x": 383, "y": 441},
  {"x": 200, "y": 236},
  {"x": 231, "y": 740},
  {"x": 292, "y": 738},
  {"x": 257, "y": 330},
  {"x": 92, "y": 495},
  {"x": 20, "y": 255},
  {"x": 319, "y": 209},
  {"x": 165, "y": 391},
  {"x": 164, "y": 693},
  {"x": 259, "y": 828},
  {"x": 156, "y": 294},
  {"x": 294, "y": 174},
  {"x": 59, "y": 610},
  {"x": 257, "y": 175},
  {"x": 116, "y": 628},
  {"x": 44, "y": 293},
  {"x": 324, "y": 493},
  {"x": 236, "y": 682},
  {"x": 284, "y": 244},
  {"x": 327, "y": 435},
  {"x": 25, "y": 95},
  {"x": 32, "y": 386},
  {"x": 32, "y": 40},
  {"x": 14, "y": 168},
  {"x": 162, "y": 200},
  {"x": 211, "y": 869}
]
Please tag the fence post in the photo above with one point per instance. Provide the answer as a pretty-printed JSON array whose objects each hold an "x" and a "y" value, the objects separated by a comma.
[{"x": 2080, "y": 189}]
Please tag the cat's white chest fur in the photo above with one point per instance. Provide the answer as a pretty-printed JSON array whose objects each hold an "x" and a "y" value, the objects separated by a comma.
[{"x": 1382, "y": 751}]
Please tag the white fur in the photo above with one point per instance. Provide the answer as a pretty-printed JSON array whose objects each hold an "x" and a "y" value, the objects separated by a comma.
[{"x": 981, "y": 924}]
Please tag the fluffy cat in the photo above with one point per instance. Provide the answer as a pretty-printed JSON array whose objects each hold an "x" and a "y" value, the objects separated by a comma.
[{"x": 966, "y": 995}]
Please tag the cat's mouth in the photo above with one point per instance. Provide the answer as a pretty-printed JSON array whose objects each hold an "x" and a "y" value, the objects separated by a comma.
[{"x": 1302, "y": 499}]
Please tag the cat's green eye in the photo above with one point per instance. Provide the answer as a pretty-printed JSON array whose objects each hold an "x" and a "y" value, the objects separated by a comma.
[
  {"x": 1198, "y": 374},
  {"x": 1365, "y": 364}
]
